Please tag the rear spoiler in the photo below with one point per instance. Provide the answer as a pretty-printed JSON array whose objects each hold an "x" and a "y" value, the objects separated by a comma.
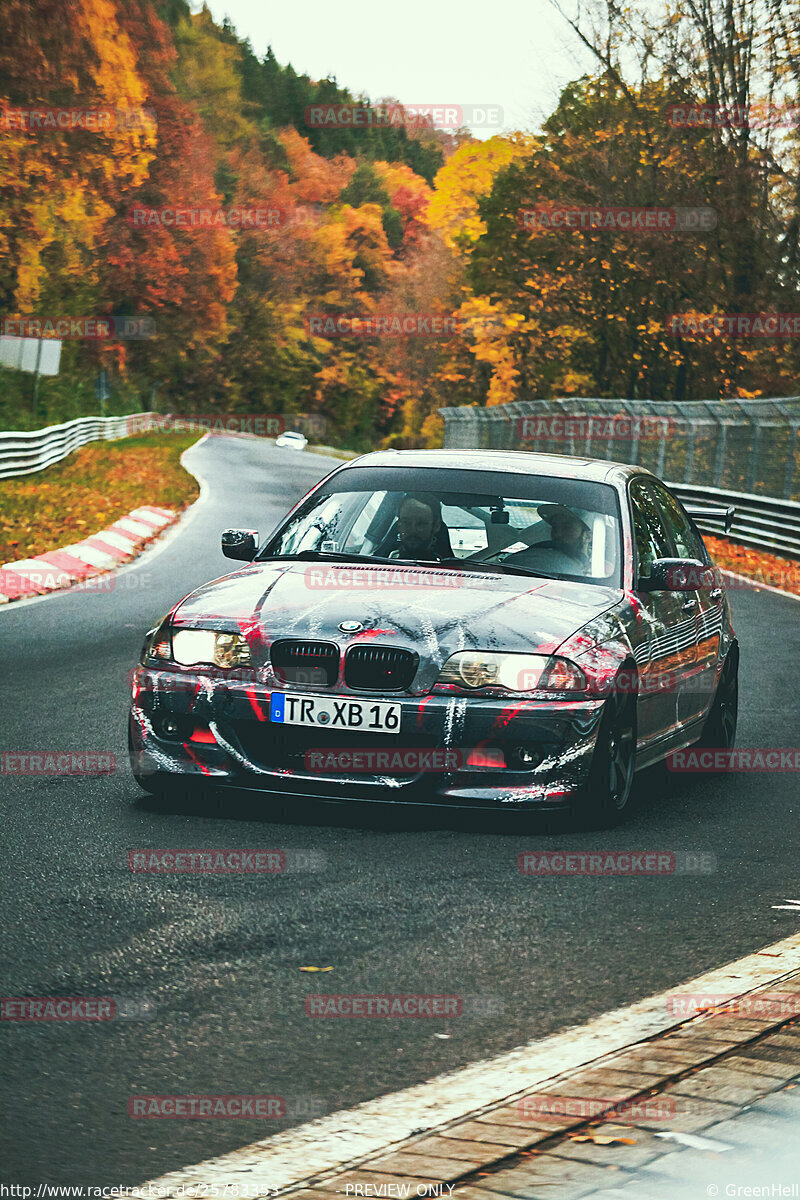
[{"x": 710, "y": 512}]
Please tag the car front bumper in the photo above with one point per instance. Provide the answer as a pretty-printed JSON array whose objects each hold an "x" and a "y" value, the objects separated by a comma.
[{"x": 192, "y": 729}]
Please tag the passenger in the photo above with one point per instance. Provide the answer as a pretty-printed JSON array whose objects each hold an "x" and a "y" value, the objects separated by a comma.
[{"x": 570, "y": 535}]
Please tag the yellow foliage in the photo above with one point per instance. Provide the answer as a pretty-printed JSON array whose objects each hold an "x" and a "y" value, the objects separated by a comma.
[{"x": 463, "y": 180}]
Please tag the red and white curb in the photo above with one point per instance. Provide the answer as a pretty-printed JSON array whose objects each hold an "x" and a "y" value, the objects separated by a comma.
[
  {"x": 344, "y": 1139},
  {"x": 95, "y": 555}
]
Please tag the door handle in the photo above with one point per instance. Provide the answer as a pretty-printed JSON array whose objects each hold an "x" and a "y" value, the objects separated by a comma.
[{"x": 689, "y": 605}]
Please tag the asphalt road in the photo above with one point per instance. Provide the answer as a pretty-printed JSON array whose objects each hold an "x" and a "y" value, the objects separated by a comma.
[{"x": 405, "y": 903}]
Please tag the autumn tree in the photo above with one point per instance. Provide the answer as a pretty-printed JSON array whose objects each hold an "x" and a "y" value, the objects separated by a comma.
[
  {"x": 595, "y": 301},
  {"x": 184, "y": 277},
  {"x": 57, "y": 186}
]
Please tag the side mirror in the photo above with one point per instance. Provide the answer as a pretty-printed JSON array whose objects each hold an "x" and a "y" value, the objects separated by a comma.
[
  {"x": 678, "y": 575},
  {"x": 240, "y": 543}
]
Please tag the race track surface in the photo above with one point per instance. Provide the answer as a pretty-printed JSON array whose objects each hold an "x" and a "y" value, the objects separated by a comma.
[{"x": 406, "y": 902}]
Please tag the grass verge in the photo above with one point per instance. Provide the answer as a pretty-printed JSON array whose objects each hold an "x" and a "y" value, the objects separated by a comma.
[
  {"x": 91, "y": 489},
  {"x": 758, "y": 565}
]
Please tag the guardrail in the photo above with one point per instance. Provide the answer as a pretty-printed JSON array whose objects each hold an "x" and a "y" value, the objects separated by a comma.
[
  {"x": 704, "y": 451},
  {"x": 749, "y": 446},
  {"x": 760, "y": 521},
  {"x": 25, "y": 453}
]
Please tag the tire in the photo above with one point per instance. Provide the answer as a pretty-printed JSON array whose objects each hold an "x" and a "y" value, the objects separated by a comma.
[
  {"x": 605, "y": 799},
  {"x": 719, "y": 731}
]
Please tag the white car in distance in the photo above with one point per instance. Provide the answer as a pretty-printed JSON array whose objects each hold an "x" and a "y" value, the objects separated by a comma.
[{"x": 291, "y": 441}]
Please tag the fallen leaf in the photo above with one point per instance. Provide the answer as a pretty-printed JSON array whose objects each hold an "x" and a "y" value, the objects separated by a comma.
[{"x": 757, "y": 565}]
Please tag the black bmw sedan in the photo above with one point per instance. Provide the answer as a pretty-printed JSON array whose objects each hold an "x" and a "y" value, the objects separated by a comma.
[{"x": 477, "y": 628}]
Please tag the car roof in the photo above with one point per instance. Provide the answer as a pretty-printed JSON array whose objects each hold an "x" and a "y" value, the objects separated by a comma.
[{"x": 520, "y": 462}]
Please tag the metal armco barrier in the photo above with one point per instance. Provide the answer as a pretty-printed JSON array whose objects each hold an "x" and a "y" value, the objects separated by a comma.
[
  {"x": 25, "y": 453},
  {"x": 740, "y": 452},
  {"x": 760, "y": 521}
]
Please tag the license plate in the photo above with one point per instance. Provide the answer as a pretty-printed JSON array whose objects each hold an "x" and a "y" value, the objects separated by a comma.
[{"x": 332, "y": 712}]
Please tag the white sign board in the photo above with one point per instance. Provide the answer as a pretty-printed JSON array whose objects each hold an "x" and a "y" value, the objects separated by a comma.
[{"x": 22, "y": 353}]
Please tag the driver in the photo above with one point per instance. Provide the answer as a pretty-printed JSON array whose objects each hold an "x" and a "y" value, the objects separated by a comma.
[
  {"x": 419, "y": 521},
  {"x": 569, "y": 534}
]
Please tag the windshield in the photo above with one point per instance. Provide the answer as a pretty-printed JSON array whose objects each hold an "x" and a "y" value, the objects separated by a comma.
[{"x": 560, "y": 528}]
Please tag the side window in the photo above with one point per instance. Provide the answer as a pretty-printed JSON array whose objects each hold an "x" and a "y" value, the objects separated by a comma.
[
  {"x": 688, "y": 544},
  {"x": 648, "y": 529}
]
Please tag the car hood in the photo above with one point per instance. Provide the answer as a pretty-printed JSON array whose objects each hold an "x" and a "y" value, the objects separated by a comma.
[{"x": 435, "y": 611}]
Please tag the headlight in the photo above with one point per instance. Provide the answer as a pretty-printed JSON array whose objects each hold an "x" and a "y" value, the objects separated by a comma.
[
  {"x": 193, "y": 646},
  {"x": 512, "y": 672}
]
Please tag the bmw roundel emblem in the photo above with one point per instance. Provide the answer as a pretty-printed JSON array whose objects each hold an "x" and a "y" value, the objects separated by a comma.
[{"x": 351, "y": 626}]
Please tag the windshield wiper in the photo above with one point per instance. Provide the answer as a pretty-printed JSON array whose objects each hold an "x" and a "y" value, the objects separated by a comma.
[
  {"x": 319, "y": 556},
  {"x": 454, "y": 561},
  {"x": 467, "y": 564}
]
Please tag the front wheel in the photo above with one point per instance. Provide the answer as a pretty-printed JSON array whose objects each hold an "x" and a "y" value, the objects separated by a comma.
[{"x": 605, "y": 800}]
